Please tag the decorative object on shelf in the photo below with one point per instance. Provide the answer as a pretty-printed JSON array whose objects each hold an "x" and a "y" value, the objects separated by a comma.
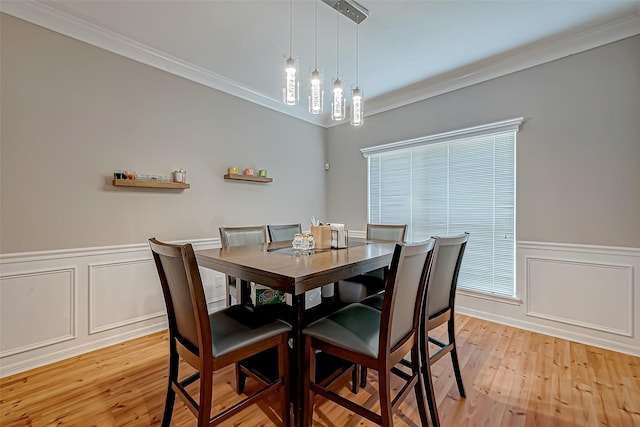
[
  {"x": 262, "y": 173},
  {"x": 179, "y": 175},
  {"x": 252, "y": 178},
  {"x": 124, "y": 175},
  {"x": 152, "y": 178},
  {"x": 233, "y": 169},
  {"x": 132, "y": 179},
  {"x": 248, "y": 171}
]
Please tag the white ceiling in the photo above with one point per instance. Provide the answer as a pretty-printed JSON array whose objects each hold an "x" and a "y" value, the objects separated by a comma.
[{"x": 408, "y": 50}]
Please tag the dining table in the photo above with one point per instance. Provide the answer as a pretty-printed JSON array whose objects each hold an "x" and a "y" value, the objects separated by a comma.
[{"x": 279, "y": 266}]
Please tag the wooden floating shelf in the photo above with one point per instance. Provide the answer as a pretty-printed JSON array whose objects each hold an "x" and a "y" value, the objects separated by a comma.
[
  {"x": 238, "y": 177},
  {"x": 149, "y": 184}
]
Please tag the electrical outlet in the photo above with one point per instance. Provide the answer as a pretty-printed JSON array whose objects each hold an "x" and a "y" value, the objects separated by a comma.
[{"x": 219, "y": 281}]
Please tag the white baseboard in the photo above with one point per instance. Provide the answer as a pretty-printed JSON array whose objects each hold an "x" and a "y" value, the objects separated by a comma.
[{"x": 552, "y": 331}]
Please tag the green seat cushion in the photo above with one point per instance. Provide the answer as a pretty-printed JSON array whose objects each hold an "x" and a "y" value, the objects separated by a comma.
[
  {"x": 229, "y": 334},
  {"x": 355, "y": 327}
]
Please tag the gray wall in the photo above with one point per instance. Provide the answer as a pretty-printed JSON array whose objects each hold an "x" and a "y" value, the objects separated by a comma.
[
  {"x": 578, "y": 153},
  {"x": 73, "y": 113}
]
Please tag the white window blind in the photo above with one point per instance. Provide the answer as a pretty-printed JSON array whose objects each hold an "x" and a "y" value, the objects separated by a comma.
[{"x": 450, "y": 183}]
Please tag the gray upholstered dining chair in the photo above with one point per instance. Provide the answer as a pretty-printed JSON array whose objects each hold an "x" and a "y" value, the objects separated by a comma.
[
  {"x": 283, "y": 232},
  {"x": 439, "y": 308},
  {"x": 377, "y": 339},
  {"x": 240, "y": 236},
  {"x": 359, "y": 287},
  {"x": 208, "y": 342}
]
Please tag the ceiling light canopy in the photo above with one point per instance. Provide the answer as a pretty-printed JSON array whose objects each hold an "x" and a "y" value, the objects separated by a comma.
[{"x": 349, "y": 8}]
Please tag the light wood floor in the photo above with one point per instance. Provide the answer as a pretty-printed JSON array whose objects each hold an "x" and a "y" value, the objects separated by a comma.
[{"x": 512, "y": 378}]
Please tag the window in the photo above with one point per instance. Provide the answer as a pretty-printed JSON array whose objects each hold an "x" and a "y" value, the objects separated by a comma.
[{"x": 450, "y": 183}]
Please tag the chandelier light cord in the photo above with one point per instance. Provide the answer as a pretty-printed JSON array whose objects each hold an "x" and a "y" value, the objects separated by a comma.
[
  {"x": 337, "y": 45},
  {"x": 316, "y": 52},
  {"x": 357, "y": 56},
  {"x": 290, "y": 27}
]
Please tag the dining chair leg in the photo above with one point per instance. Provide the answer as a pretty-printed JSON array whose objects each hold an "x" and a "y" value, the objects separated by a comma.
[
  {"x": 354, "y": 379},
  {"x": 206, "y": 393},
  {"x": 419, "y": 387},
  {"x": 309, "y": 372},
  {"x": 171, "y": 394},
  {"x": 363, "y": 376},
  {"x": 431, "y": 396},
  {"x": 454, "y": 357},
  {"x": 241, "y": 379},
  {"x": 428, "y": 382},
  {"x": 283, "y": 372},
  {"x": 386, "y": 410}
]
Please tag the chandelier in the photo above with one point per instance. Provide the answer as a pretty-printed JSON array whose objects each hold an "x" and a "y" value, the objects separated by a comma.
[{"x": 291, "y": 84}]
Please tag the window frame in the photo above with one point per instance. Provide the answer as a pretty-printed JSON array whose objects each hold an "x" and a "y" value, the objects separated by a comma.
[{"x": 510, "y": 125}]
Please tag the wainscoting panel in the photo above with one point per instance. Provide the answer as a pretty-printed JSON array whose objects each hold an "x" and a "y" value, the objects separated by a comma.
[
  {"x": 584, "y": 293},
  {"x": 38, "y": 309},
  {"x": 123, "y": 293},
  {"x": 58, "y": 304},
  {"x": 579, "y": 293}
]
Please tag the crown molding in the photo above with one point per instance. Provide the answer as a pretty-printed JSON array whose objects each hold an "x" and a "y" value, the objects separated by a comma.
[
  {"x": 45, "y": 16},
  {"x": 41, "y": 14},
  {"x": 534, "y": 54}
]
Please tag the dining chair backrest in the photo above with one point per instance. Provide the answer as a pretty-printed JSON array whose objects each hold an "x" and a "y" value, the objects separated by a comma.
[
  {"x": 387, "y": 232},
  {"x": 184, "y": 296},
  {"x": 240, "y": 236},
  {"x": 404, "y": 288},
  {"x": 443, "y": 280},
  {"x": 439, "y": 308},
  {"x": 283, "y": 232},
  {"x": 207, "y": 342},
  {"x": 350, "y": 334}
]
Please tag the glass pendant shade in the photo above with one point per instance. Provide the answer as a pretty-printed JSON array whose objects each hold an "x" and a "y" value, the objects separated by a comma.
[
  {"x": 316, "y": 96},
  {"x": 357, "y": 104},
  {"x": 291, "y": 86},
  {"x": 338, "y": 103}
]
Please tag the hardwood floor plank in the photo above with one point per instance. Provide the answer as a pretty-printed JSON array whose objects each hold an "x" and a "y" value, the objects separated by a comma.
[{"x": 512, "y": 378}]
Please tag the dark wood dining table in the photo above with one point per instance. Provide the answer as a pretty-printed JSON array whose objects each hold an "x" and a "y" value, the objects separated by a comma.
[{"x": 275, "y": 265}]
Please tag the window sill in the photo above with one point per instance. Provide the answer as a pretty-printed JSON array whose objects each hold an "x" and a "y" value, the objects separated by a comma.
[{"x": 489, "y": 296}]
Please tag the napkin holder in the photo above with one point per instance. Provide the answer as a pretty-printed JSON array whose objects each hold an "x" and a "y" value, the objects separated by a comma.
[
  {"x": 321, "y": 236},
  {"x": 339, "y": 236}
]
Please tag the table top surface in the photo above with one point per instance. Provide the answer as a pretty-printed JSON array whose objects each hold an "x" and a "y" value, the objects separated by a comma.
[{"x": 274, "y": 264}]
